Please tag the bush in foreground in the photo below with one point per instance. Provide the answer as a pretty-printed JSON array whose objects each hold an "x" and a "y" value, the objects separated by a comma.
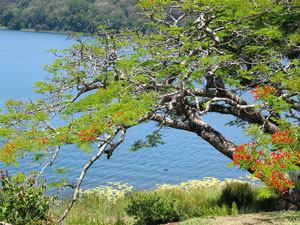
[
  {"x": 22, "y": 201},
  {"x": 150, "y": 208}
]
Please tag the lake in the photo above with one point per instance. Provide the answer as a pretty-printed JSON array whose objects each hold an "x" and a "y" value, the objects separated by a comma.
[{"x": 184, "y": 157}]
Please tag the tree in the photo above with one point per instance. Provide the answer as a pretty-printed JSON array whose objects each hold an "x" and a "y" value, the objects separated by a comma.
[{"x": 201, "y": 57}]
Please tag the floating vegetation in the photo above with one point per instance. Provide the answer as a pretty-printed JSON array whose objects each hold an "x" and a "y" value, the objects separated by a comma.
[
  {"x": 115, "y": 190},
  {"x": 207, "y": 182},
  {"x": 111, "y": 193}
]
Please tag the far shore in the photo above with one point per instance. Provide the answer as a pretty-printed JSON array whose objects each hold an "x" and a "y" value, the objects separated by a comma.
[{"x": 46, "y": 31}]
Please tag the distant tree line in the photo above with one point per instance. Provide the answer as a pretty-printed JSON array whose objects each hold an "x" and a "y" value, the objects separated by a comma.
[{"x": 68, "y": 15}]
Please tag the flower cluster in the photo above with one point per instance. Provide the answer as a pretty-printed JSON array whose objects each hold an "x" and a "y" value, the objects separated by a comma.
[
  {"x": 88, "y": 135},
  {"x": 118, "y": 114},
  {"x": 262, "y": 92},
  {"x": 279, "y": 182},
  {"x": 113, "y": 117},
  {"x": 280, "y": 155},
  {"x": 45, "y": 141},
  {"x": 242, "y": 154},
  {"x": 2, "y": 175},
  {"x": 282, "y": 137},
  {"x": 270, "y": 168},
  {"x": 9, "y": 148}
]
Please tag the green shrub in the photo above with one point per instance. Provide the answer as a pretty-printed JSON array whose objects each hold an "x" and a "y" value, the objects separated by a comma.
[
  {"x": 243, "y": 194},
  {"x": 150, "y": 209},
  {"x": 248, "y": 199},
  {"x": 216, "y": 210},
  {"x": 22, "y": 201}
]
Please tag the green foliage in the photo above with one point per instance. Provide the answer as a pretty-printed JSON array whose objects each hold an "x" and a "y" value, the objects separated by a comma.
[
  {"x": 150, "y": 142},
  {"x": 150, "y": 208},
  {"x": 22, "y": 201},
  {"x": 217, "y": 210}
]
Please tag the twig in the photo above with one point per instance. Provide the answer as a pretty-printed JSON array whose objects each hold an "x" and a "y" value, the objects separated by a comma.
[{"x": 49, "y": 163}]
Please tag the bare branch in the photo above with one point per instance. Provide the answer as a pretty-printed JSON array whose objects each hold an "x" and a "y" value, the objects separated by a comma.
[{"x": 49, "y": 164}]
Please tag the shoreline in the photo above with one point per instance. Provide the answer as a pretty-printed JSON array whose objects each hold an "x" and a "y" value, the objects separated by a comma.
[{"x": 48, "y": 31}]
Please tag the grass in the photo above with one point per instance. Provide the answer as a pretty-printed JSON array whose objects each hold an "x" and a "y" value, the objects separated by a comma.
[
  {"x": 196, "y": 202},
  {"x": 101, "y": 205},
  {"x": 94, "y": 210}
]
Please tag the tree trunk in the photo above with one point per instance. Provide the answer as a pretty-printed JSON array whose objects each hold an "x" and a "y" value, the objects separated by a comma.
[{"x": 293, "y": 196}]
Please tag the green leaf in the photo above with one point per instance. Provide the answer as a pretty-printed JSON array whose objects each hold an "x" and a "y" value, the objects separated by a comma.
[
  {"x": 231, "y": 164},
  {"x": 293, "y": 167},
  {"x": 265, "y": 192},
  {"x": 86, "y": 147},
  {"x": 38, "y": 157},
  {"x": 55, "y": 184},
  {"x": 61, "y": 170},
  {"x": 15, "y": 164}
]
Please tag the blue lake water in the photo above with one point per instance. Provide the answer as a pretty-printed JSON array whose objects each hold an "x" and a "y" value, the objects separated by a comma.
[{"x": 184, "y": 157}]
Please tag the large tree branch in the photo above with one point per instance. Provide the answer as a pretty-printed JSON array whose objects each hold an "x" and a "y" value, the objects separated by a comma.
[
  {"x": 213, "y": 137},
  {"x": 246, "y": 114},
  {"x": 202, "y": 129},
  {"x": 237, "y": 106}
]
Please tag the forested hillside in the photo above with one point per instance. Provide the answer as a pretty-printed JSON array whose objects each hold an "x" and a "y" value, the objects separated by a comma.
[{"x": 68, "y": 15}]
